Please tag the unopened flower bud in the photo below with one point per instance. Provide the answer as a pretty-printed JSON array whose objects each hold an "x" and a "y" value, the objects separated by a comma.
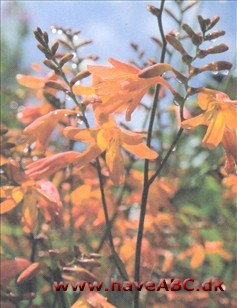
[
  {"x": 65, "y": 59},
  {"x": 153, "y": 10}
]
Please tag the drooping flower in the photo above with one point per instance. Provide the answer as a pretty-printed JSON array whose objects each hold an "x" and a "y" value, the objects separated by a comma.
[
  {"x": 31, "y": 113},
  {"x": 109, "y": 138},
  {"x": 122, "y": 86},
  {"x": 41, "y": 129},
  {"x": 220, "y": 114},
  {"x": 47, "y": 166},
  {"x": 37, "y": 83}
]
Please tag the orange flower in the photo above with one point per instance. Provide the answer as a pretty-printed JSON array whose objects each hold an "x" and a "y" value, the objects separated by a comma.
[
  {"x": 31, "y": 113},
  {"x": 220, "y": 114},
  {"x": 121, "y": 86},
  {"x": 43, "y": 168},
  {"x": 33, "y": 194},
  {"x": 198, "y": 252},
  {"x": 229, "y": 143},
  {"x": 37, "y": 83},
  {"x": 109, "y": 138},
  {"x": 41, "y": 129}
]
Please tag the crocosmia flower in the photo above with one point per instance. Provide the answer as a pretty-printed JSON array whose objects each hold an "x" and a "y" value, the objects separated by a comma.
[
  {"x": 122, "y": 86},
  {"x": 220, "y": 114},
  {"x": 41, "y": 129},
  {"x": 109, "y": 138}
]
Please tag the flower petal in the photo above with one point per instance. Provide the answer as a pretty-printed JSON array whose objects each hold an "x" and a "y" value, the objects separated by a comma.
[
  {"x": 130, "y": 138},
  {"x": 84, "y": 135},
  {"x": 215, "y": 131},
  {"x": 29, "y": 213},
  {"x": 47, "y": 166},
  {"x": 80, "y": 193},
  {"x": 196, "y": 121},
  {"x": 141, "y": 150},
  {"x": 29, "y": 272},
  {"x": 87, "y": 156},
  {"x": 82, "y": 90},
  {"x": 198, "y": 256},
  {"x": 11, "y": 268},
  {"x": 16, "y": 196},
  {"x": 128, "y": 68},
  {"x": 115, "y": 163},
  {"x": 32, "y": 82},
  {"x": 231, "y": 118}
]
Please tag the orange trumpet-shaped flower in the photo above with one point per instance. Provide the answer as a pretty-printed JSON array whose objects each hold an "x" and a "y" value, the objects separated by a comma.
[
  {"x": 45, "y": 167},
  {"x": 37, "y": 83},
  {"x": 41, "y": 129},
  {"x": 109, "y": 138},
  {"x": 31, "y": 113},
  {"x": 220, "y": 114},
  {"x": 122, "y": 86}
]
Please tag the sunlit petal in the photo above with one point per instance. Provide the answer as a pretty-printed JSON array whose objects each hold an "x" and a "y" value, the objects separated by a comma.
[
  {"x": 84, "y": 135},
  {"x": 115, "y": 163},
  {"x": 193, "y": 122},
  {"x": 32, "y": 82},
  {"x": 215, "y": 131},
  {"x": 141, "y": 150},
  {"x": 130, "y": 138}
]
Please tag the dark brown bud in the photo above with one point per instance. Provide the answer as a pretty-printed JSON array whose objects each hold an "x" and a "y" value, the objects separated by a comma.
[
  {"x": 214, "y": 35},
  {"x": 134, "y": 46},
  {"x": 213, "y": 50},
  {"x": 153, "y": 10},
  {"x": 176, "y": 44},
  {"x": 157, "y": 41},
  {"x": 65, "y": 59},
  {"x": 196, "y": 39},
  {"x": 214, "y": 66},
  {"x": 54, "y": 48},
  {"x": 55, "y": 85},
  {"x": 49, "y": 64},
  {"x": 39, "y": 38},
  {"x": 45, "y": 51},
  {"x": 39, "y": 31},
  {"x": 213, "y": 22},
  {"x": 79, "y": 76},
  {"x": 204, "y": 23},
  {"x": 46, "y": 37}
]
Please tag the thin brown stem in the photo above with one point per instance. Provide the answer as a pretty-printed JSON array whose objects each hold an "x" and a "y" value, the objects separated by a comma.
[{"x": 146, "y": 167}]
